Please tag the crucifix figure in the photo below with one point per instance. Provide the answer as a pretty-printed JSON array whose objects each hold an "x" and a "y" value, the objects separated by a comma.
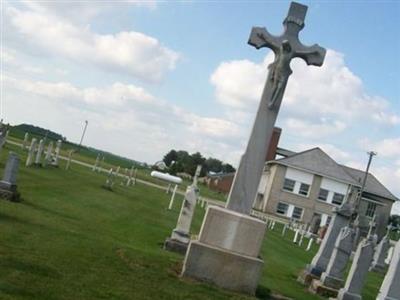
[{"x": 286, "y": 47}]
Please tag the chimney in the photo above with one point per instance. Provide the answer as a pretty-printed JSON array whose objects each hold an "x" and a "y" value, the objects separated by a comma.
[{"x": 273, "y": 144}]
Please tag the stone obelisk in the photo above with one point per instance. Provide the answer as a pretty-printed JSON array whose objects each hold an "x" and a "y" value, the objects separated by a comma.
[{"x": 227, "y": 251}]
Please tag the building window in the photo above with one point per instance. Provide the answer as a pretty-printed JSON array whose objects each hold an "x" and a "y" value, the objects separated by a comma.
[
  {"x": 371, "y": 208},
  {"x": 328, "y": 220},
  {"x": 337, "y": 199},
  {"x": 282, "y": 208},
  {"x": 297, "y": 213},
  {"x": 304, "y": 189},
  {"x": 323, "y": 194},
  {"x": 288, "y": 185}
]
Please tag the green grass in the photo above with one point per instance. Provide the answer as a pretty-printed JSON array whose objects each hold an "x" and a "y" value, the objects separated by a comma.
[
  {"x": 88, "y": 155},
  {"x": 72, "y": 239}
]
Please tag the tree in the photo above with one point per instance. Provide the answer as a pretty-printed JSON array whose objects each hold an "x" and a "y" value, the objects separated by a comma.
[
  {"x": 185, "y": 162},
  {"x": 170, "y": 157}
]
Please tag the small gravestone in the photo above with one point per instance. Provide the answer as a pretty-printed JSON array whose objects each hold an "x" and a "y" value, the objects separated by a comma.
[
  {"x": 381, "y": 251},
  {"x": 332, "y": 279},
  {"x": 57, "y": 153},
  {"x": 47, "y": 159},
  {"x": 180, "y": 238},
  {"x": 341, "y": 218},
  {"x": 130, "y": 179},
  {"x": 8, "y": 185},
  {"x": 70, "y": 153},
  {"x": 38, "y": 159},
  {"x": 309, "y": 245},
  {"x": 110, "y": 180},
  {"x": 31, "y": 153},
  {"x": 25, "y": 141},
  {"x": 359, "y": 270},
  {"x": 96, "y": 163},
  {"x": 285, "y": 227},
  {"x": 390, "y": 289}
]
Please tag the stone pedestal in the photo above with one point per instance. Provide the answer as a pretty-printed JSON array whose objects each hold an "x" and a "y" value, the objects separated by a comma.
[
  {"x": 227, "y": 251},
  {"x": 317, "y": 287},
  {"x": 390, "y": 289},
  {"x": 319, "y": 264}
]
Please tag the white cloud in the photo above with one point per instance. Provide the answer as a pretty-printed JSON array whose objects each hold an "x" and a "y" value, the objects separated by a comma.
[
  {"x": 313, "y": 130},
  {"x": 331, "y": 91},
  {"x": 389, "y": 147},
  {"x": 83, "y": 10},
  {"x": 117, "y": 113},
  {"x": 127, "y": 52}
]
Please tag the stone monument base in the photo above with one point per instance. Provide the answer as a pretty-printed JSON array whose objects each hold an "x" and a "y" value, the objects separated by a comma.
[
  {"x": 223, "y": 268},
  {"x": 178, "y": 242},
  {"x": 227, "y": 251},
  {"x": 378, "y": 269},
  {"x": 345, "y": 295},
  {"x": 9, "y": 192},
  {"x": 317, "y": 287},
  {"x": 306, "y": 277},
  {"x": 331, "y": 282}
]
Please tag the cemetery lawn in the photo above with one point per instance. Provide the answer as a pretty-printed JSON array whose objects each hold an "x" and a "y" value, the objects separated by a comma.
[{"x": 72, "y": 239}]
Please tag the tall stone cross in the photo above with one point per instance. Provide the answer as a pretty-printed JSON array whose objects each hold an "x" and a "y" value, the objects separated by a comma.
[{"x": 286, "y": 47}]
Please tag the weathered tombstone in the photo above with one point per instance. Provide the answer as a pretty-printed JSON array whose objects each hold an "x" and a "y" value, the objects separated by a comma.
[
  {"x": 110, "y": 180},
  {"x": 38, "y": 159},
  {"x": 171, "y": 202},
  {"x": 180, "y": 237},
  {"x": 70, "y": 152},
  {"x": 8, "y": 185},
  {"x": 359, "y": 270},
  {"x": 47, "y": 159},
  {"x": 341, "y": 218},
  {"x": 25, "y": 141},
  {"x": 230, "y": 240},
  {"x": 296, "y": 235},
  {"x": 57, "y": 153},
  {"x": 390, "y": 289},
  {"x": 381, "y": 251},
  {"x": 310, "y": 242},
  {"x": 273, "y": 225},
  {"x": 285, "y": 227},
  {"x": 129, "y": 180},
  {"x": 96, "y": 163},
  {"x": 31, "y": 153},
  {"x": 332, "y": 279},
  {"x": 301, "y": 238}
]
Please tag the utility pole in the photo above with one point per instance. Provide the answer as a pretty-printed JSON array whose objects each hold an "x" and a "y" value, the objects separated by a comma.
[
  {"x": 371, "y": 155},
  {"x": 83, "y": 134}
]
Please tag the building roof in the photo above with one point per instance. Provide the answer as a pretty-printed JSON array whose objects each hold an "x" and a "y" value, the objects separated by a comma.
[
  {"x": 372, "y": 186},
  {"x": 318, "y": 162}
]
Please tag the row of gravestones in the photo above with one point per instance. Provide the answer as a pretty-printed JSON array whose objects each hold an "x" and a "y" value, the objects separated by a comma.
[
  {"x": 36, "y": 152},
  {"x": 129, "y": 176},
  {"x": 325, "y": 274}
]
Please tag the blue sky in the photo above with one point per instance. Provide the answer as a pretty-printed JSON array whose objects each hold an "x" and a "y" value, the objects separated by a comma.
[{"x": 151, "y": 76}]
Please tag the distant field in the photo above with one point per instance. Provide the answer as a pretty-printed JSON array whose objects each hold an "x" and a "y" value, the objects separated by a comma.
[
  {"x": 71, "y": 239},
  {"x": 89, "y": 155}
]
